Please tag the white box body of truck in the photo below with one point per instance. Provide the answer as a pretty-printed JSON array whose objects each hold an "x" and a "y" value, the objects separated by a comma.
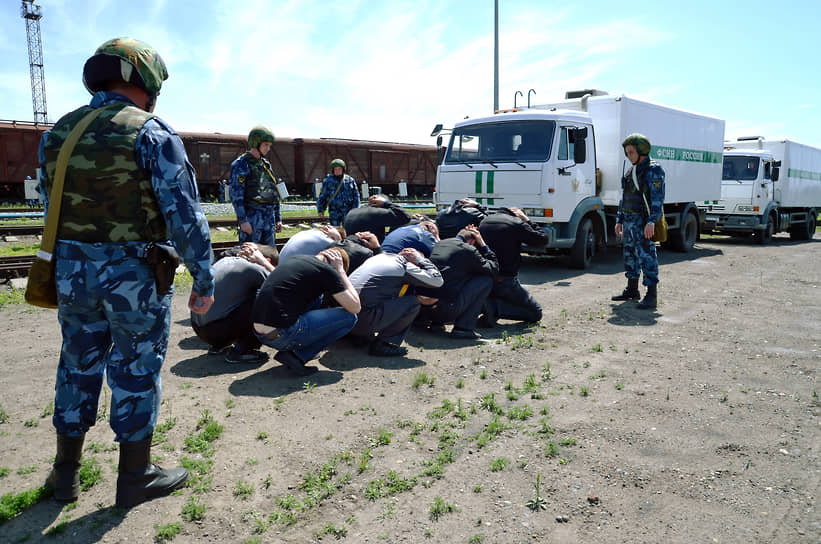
[
  {"x": 562, "y": 164},
  {"x": 768, "y": 187},
  {"x": 688, "y": 146}
]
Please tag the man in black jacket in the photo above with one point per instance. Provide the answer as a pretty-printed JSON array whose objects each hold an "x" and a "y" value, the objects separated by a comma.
[
  {"x": 459, "y": 215},
  {"x": 379, "y": 214},
  {"x": 468, "y": 266},
  {"x": 505, "y": 232}
]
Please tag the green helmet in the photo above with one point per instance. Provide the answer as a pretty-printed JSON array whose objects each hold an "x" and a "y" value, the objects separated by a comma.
[
  {"x": 639, "y": 141},
  {"x": 337, "y": 162},
  {"x": 258, "y": 135},
  {"x": 128, "y": 60}
]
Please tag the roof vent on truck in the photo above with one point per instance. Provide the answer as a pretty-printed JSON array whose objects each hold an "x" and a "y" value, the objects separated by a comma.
[
  {"x": 569, "y": 95},
  {"x": 749, "y": 138}
]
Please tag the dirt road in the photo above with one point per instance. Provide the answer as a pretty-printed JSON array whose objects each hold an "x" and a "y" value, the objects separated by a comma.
[{"x": 696, "y": 423}]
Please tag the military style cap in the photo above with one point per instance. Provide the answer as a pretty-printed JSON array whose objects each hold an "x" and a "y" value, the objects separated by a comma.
[
  {"x": 128, "y": 60},
  {"x": 639, "y": 141},
  {"x": 258, "y": 135},
  {"x": 337, "y": 162}
]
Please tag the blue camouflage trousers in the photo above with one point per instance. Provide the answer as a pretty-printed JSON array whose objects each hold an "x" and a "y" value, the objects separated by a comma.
[
  {"x": 263, "y": 223},
  {"x": 113, "y": 324},
  {"x": 639, "y": 252},
  {"x": 336, "y": 215}
]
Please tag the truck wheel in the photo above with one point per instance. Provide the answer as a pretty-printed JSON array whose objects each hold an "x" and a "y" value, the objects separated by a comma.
[
  {"x": 583, "y": 250},
  {"x": 765, "y": 236},
  {"x": 685, "y": 237},
  {"x": 805, "y": 231}
]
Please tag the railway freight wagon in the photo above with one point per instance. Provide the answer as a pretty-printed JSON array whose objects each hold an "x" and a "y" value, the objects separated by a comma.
[
  {"x": 301, "y": 162},
  {"x": 298, "y": 162}
]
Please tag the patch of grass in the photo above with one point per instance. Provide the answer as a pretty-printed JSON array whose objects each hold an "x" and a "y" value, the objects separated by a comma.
[
  {"x": 4, "y": 416},
  {"x": 288, "y": 502},
  {"x": 97, "y": 447},
  {"x": 477, "y": 488},
  {"x": 483, "y": 375},
  {"x": 330, "y": 529},
  {"x": 423, "y": 379},
  {"x": 48, "y": 410},
  {"x": 12, "y": 504},
  {"x": 489, "y": 403},
  {"x": 31, "y": 423},
  {"x": 383, "y": 438},
  {"x": 193, "y": 510},
  {"x": 440, "y": 507},
  {"x": 4, "y": 471},
  {"x": 596, "y": 349},
  {"x": 202, "y": 442},
  {"x": 538, "y": 502},
  {"x": 584, "y": 391},
  {"x": 243, "y": 490},
  {"x": 167, "y": 532},
  {"x": 492, "y": 431},
  {"x": 25, "y": 471},
  {"x": 199, "y": 481},
  {"x": 308, "y": 387},
  {"x": 599, "y": 375},
  {"x": 161, "y": 430},
  {"x": 619, "y": 386},
  {"x": 551, "y": 449},
  {"x": 476, "y": 539},
  {"x": 460, "y": 383},
  {"x": 499, "y": 464},
  {"x": 90, "y": 473},
  {"x": 230, "y": 403},
  {"x": 10, "y": 296},
  {"x": 520, "y": 412},
  {"x": 567, "y": 441},
  {"x": 547, "y": 373}
]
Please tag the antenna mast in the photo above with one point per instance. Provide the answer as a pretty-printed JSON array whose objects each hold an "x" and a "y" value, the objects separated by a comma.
[{"x": 32, "y": 14}]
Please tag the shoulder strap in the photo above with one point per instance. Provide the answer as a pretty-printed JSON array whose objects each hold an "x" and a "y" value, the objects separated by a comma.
[
  {"x": 56, "y": 195},
  {"x": 636, "y": 183},
  {"x": 338, "y": 187}
]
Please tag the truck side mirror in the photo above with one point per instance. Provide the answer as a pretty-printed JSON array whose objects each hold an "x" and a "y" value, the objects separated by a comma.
[
  {"x": 579, "y": 152},
  {"x": 439, "y": 141},
  {"x": 578, "y": 135},
  {"x": 436, "y": 130},
  {"x": 774, "y": 173}
]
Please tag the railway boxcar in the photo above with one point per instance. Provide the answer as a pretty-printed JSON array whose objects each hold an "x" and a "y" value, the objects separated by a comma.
[{"x": 299, "y": 162}]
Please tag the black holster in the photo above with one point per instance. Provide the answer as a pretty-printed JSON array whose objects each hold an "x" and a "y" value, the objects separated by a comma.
[{"x": 164, "y": 259}]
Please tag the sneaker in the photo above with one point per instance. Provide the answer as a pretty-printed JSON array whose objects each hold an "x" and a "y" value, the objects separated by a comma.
[
  {"x": 251, "y": 357},
  {"x": 437, "y": 328},
  {"x": 294, "y": 363},
  {"x": 386, "y": 349},
  {"x": 214, "y": 350},
  {"x": 465, "y": 334}
]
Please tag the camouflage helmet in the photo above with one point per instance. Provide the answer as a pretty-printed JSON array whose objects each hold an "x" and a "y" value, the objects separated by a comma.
[
  {"x": 639, "y": 141},
  {"x": 128, "y": 60},
  {"x": 337, "y": 162},
  {"x": 258, "y": 135}
]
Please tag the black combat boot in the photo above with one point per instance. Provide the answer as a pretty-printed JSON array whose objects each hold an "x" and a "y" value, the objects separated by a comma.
[
  {"x": 631, "y": 292},
  {"x": 64, "y": 480},
  {"x": 650, "y": 299},
  {"x": 139, "y": 480}
]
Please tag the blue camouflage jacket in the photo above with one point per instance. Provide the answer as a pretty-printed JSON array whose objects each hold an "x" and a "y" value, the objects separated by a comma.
[
  {"x": 650, "y": 176},
  {"x": 345, "y": 200},
  {"x": 160, "y": 150}
]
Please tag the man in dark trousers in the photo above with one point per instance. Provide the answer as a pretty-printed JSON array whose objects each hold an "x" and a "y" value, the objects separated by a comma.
[
  {"x": 505, "y": 232},
  {"x": 288, "y": 315},
  {"x": 386, "y": 285},
  {"x": 379, "y": 214},
  {"x": 468, "y": 267}
]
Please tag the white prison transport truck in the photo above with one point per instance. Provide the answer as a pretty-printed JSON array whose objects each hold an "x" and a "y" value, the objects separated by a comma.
[
  {"x": 767, "y": 187},
  {"x": 562, "y": 164}
]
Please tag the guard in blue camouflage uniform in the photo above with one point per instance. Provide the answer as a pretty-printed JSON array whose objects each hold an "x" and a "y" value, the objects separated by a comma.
[
  {"x": 128, "y": 184},
  {"x": 339, "y": 194},
  {"x": 253, "y": 191},
  {"x": 634, "y": 224}
]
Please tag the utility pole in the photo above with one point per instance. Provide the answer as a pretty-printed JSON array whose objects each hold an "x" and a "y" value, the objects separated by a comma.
[
  {"x": 495, "y": 55},
  {"x": 32, "y": 14}
]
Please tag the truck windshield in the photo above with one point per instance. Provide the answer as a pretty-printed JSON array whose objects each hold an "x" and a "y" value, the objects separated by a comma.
[
  {"x": 740, "y": 168},
  {"x": 512, "y": 141}
]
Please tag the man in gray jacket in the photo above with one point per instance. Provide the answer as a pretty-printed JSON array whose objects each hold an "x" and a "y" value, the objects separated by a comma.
[{"x": 386, "y": 286}]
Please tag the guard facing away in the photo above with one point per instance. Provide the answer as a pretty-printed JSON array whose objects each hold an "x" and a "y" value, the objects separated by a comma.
[
  {"x": 642, "y": 188},
  {"x": 137, "y": 188},
  {"x": 253, "y": 191}
]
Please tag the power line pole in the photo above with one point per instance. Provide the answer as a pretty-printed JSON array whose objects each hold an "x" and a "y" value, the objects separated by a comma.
[{"x": 32, "y": 14}]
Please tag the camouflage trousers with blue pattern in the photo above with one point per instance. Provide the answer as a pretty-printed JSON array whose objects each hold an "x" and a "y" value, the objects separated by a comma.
[
  {"x": 114, "y": 324},
  {"x": 639, "y": 252},
  {"x": 263, "y": 223}
]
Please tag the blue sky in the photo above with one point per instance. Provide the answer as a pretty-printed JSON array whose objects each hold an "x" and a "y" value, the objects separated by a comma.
[{"x": 389, "y": 70}]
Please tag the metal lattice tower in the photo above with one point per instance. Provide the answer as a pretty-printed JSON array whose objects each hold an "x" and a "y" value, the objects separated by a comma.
[{"x": 32, "y": 14}]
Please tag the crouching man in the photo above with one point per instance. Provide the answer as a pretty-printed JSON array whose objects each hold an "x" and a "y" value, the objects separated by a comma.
[
  {"x": 287, "y": 314},
  {"x": 385, "y": 283}
]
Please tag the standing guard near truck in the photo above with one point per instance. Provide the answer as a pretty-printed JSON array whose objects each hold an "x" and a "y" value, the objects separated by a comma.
[
  {"x": 128, "y": 188},
  {"x": 253, "y": 191},
  {"x": 642, "y": 187}
]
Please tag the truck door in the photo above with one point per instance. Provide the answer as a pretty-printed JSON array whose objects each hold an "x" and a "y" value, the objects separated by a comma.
[{"x": 573, "y": 181}]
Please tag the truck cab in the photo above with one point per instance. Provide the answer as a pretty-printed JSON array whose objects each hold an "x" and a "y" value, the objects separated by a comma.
[
  {"x": 542, "y": 162},
  {"x": 747, "y": 190}
]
